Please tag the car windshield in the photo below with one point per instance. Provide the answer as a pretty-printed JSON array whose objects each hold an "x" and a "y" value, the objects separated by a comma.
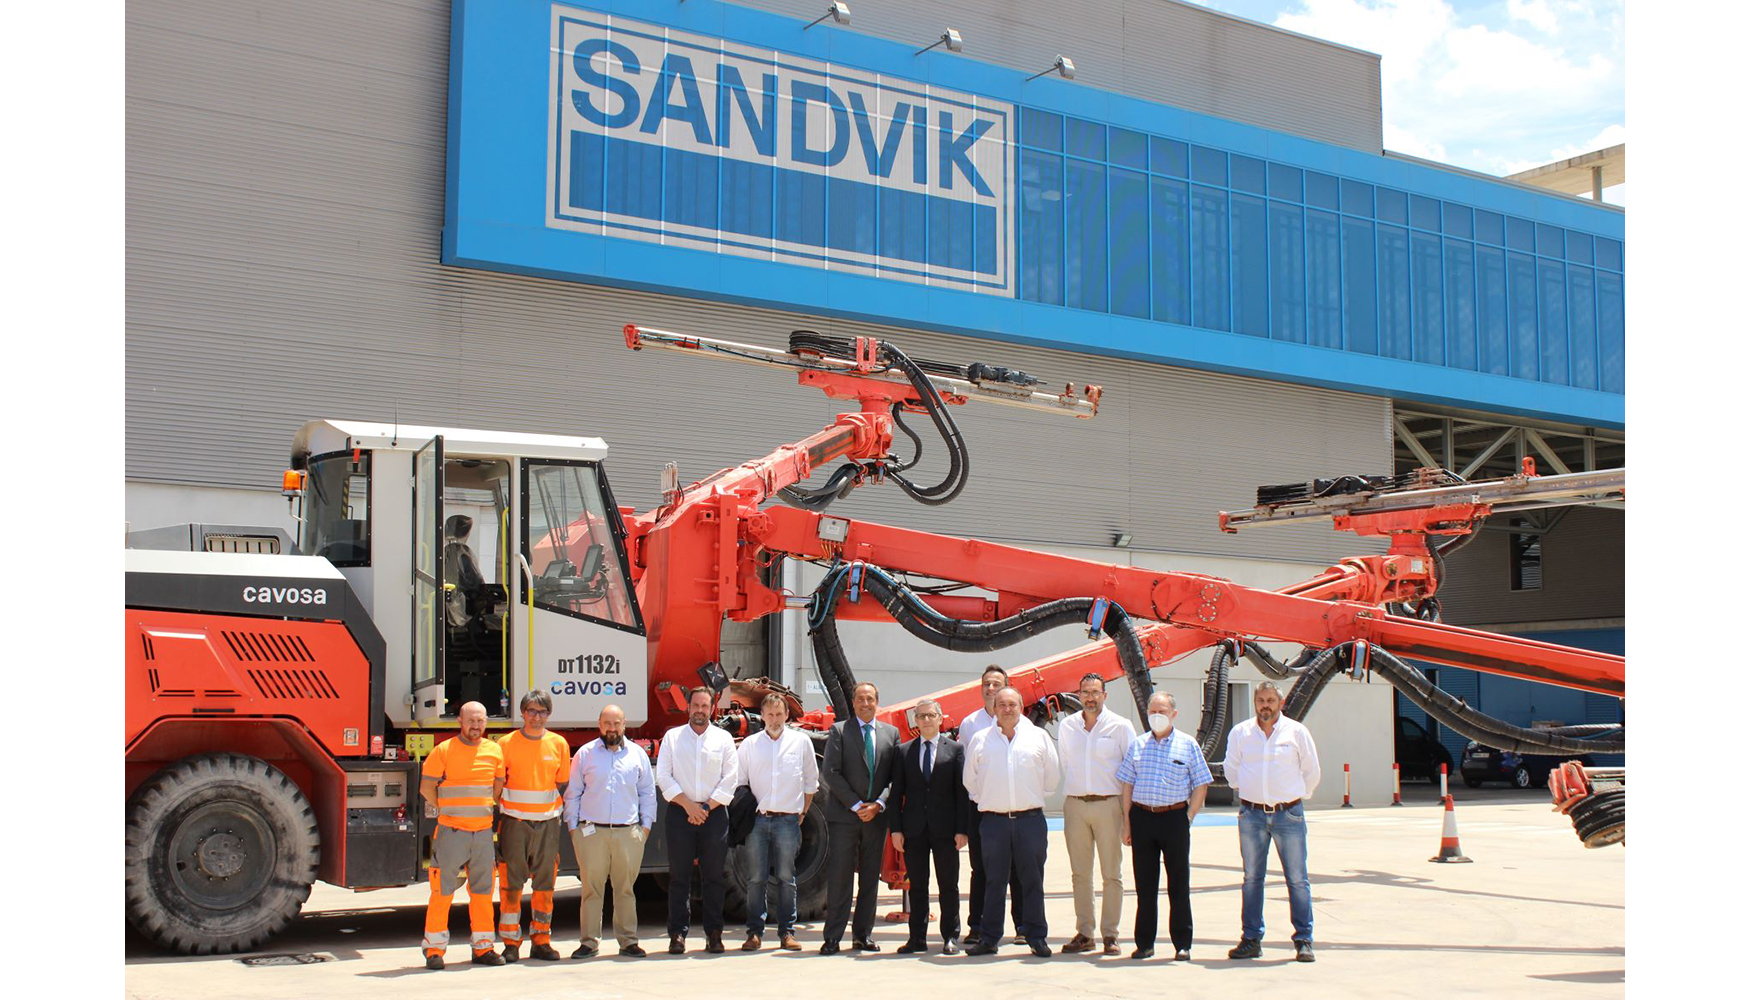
[{"x": 336, "y": 521}]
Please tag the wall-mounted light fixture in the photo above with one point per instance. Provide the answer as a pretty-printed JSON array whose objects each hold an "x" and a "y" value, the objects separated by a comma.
[
  {"x": 1064, "y": 67},
  {"x": 950, "y": 38},
  {"x": 1121, "y": 540},
  {"x": 837, "y": 11}
]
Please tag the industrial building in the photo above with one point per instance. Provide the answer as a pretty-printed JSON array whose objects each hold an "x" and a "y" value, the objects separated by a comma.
[{"x": 443, "y": 213}]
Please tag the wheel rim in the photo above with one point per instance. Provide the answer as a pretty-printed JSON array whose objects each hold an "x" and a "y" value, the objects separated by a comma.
[
  {"x": 1522, "y": 778},
  {"x": 222, "y": 855}
]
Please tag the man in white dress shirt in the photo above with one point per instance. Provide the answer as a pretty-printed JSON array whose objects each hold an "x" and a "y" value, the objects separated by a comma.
[
  {"x": 993, "y": 679},
  {"x": 1272, "y": 765},
  {"x": 1011, "y": 768},
  {"x": 1092, "y": 743},
  {"x": 696, "y": 773},
  {"x": 778, "y": 765}
]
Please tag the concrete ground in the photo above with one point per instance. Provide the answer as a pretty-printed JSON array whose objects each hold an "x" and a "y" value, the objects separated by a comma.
[{"x": 1535, "y": 913}]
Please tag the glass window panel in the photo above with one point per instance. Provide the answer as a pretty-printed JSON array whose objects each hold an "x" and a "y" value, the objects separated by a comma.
[
  {"x": 1209, "y": 291},
  {"x": 1248, "y": 174},
  {"x": 1549, "y": 241},
  {"x": 1359, "y": 309},
  {"x": 1041, "y": 227},
  {"x": 1128, "y": 149},
  {"x": 1519, "y": 234},
  {"x": 1208, "y": 165},
  {"x": 1324, "y": 285},
  {"x": 1609, "y": 254},
  {"x": 1167, "y": 156},
  {"x": 1488, "y": 227},
  {"x": 1394, "y": 293},
  {"x": 1285, "y": 182},
  {"x": 1456, "y": 219},
  {"x": 1522, "y": 314},
  {"x": 1461, "y": 314},
  {"x": 1429, "y": 318},
  {"x": 570, "y": 532},
  {"x": 1170, "y": 253},
  {"x": 1393, "y": 206},
  {"x": 1321, "y": 190},
  {"x": 1611, "y": 362},
  {"x": 1357, "y": 198},
  {"x": 951, "y": 234},
  {"x": 1579, "y": 247},
  {"x": 1041, "y": 129},
  {"x": 1582, "y": 327},
  {"x": 1251, "y": 266},
  {"x": 1084, "y": 206},
  {"x": 1084, "y": 138},
  {"x": 1552, "y": 324},
  {"x": 1424, "y": 213},
  {"x": 1492, "y": 339},
  {"x": 1287, "y": 274},
  {"x": 1128, "y": 218}
]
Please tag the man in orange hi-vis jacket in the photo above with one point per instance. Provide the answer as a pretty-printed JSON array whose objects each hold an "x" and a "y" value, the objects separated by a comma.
[
  {"x": 537, "y": 764},
  {"x": 462, "y": 778}
]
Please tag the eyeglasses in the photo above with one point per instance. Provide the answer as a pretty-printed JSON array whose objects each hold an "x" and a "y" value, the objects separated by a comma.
[{"x": 543, "y": 713}]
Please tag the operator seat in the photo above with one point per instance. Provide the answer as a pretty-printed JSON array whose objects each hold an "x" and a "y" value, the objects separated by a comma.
[{"x": 461, "y": 569}]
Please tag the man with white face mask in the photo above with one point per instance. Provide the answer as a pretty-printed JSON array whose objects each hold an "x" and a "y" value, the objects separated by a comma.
[{"x": 1162, "y": 781}]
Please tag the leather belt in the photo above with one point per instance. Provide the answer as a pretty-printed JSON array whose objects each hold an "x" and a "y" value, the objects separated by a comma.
[
  {"x": 608, "y": 826},
  {"x": 1160, "y": 809},
  {"x": 1270, "y": 809},
  {"x": 1093, "y": 798},
  {"x": 764, "y": 812},
  {"x": 1012, "y": 815}
]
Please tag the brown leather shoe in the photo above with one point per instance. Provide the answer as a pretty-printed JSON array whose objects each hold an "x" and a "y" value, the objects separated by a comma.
[
  {"x": 789, "y": 943},
  {"x": 1111, "y": 946},
  {"x": 752, "y": 943},
  {"x": 1078, "y": 944}
]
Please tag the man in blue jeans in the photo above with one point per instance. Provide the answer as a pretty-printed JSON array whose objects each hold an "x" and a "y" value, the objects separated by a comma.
[
  {"x": 1273, "y": 766},
  {"x": 778, "y": 766}
]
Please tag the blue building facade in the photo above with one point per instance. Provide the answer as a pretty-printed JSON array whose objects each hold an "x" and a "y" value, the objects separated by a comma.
[{"x": 727, "y": 153}]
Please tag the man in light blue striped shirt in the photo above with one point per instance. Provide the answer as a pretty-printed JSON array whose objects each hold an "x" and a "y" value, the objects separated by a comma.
[
  {"x": 610, "y": 804},
  {"x": 1162, "y": 781}
]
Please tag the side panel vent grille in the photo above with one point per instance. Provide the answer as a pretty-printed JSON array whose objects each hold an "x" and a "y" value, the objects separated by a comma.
[
  {"x": 292, "y": 683},
  {"x": 267, "y": 647},
  {"x": 146, "y": 644}
]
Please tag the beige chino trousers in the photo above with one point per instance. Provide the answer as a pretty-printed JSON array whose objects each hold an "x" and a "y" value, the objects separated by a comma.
[
  {"x": 1088, "y": 826},
  {"x": 610, "y": 853}
]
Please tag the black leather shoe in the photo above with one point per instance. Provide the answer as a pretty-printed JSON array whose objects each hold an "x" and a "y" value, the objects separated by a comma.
[
  {"x": 1182, "y": 955},
  {"x": 950, "y": 947},
  {"x": 982, "y": 948},
  {"x": 1142, "y": 954},
  {"x": 714, "y": 943},
  {"x": 677, "y": 944},
  {"x": 509, "y": 954},
  {"x": 864, "y": 944},
  {"x": 1303, "y": 951},
  {"x": 434, "y": 962},
  {"x": 913, "y": 947},
  {"x": 583, "y": 951},
  {"x": 487, "y": 958},
  {"x": 542, "y": 953},
  {"x": 1247, "y": 948},
  {"x": 972, "y": 940},
  {"x": 829, "y": 948},
  {"x": 1040, "y": 948},
  {"x": 633, "y": 951}
]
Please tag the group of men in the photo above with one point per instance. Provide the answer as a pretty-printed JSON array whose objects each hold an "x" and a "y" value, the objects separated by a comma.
[{"x": 984, "y": 790}]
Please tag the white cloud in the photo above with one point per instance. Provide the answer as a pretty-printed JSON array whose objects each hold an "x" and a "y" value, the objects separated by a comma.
[{"x": 1533, "y": 12}]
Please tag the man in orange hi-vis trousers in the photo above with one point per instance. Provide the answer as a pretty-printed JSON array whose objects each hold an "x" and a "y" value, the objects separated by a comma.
[
  {"x": 537, "y": 764},
  {"x": 462, "y": 778}
]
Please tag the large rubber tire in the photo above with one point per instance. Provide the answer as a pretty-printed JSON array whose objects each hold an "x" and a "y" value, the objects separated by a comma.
[
  {"x": 221, "y": 851},
  {"x": 1473, "y": 782},
  {"x": 810, "y": 871}
]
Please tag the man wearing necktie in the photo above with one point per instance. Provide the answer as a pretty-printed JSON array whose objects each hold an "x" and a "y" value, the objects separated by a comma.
[
  {"x": 935, "y": 815},
  {"x": 860, "y": 753}
]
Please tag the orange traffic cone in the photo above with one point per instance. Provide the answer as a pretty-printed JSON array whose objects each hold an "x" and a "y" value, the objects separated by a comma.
[{"x": 1449, "y": 852}]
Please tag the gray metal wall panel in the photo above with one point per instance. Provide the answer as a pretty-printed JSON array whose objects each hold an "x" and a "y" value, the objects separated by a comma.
[
  {"x": 1159, "y": 50},
  {"x": 283, "y": 265},
  {"x": 1583, "y": 575}
]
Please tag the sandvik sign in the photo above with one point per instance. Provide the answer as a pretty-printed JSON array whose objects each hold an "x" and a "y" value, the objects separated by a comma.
[{"x": 683, "y": 139}]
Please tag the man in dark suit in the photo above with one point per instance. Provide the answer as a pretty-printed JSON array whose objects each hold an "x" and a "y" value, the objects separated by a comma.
[
  {"x": 860, "y": 754},
  {"x": 934, "y": 817}
]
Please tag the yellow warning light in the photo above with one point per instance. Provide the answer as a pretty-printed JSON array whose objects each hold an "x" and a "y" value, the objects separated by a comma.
[{"x": 292, "y": 483}]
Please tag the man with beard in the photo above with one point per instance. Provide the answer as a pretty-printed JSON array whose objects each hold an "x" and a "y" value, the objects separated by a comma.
[
  {"x": 1272, "y": 765},
  {"x": 610, "y": 805},
  {"x": 462, "y": 778},
  {"x": 777, "y": 765},
  {"x": 857, "y": 773},
  {"x": 1092, "y": 742},
  {"x": 696, "y": 770}
]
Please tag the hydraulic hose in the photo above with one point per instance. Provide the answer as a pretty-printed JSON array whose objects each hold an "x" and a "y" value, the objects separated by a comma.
[
  {"x": 1215, "y": 707},
  {"x": 1271, "y": 667}
]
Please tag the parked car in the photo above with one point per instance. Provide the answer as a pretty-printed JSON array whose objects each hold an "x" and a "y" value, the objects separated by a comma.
[
  {"x": 1419, "y": 754},
  {"x": 1481, "y": 763}
]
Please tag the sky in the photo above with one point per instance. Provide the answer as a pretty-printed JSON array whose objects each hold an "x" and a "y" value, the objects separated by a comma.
[{"x": 1497, "y": 86}]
